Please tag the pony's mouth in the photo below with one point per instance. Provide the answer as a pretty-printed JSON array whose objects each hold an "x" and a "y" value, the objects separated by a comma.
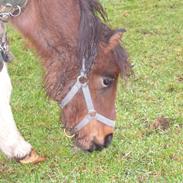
[{"x": 94, "y": 145}]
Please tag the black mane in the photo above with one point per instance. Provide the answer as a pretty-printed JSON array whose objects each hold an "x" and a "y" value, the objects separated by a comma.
[{"x": 93, "y": 31}]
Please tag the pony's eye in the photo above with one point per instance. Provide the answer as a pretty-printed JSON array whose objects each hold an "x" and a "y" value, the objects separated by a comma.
[{"x": 107, "y": 82}]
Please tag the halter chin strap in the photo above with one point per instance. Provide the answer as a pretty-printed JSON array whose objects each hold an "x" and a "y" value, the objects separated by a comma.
[{"x": 82, "y": 84}]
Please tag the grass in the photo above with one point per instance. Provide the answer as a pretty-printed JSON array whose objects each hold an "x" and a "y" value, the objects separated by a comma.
[{"x": 154, "y": 41}]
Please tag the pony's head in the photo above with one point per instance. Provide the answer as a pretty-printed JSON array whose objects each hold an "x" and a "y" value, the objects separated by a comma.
[
  {"x": 89, "y": 104},
  {"x": 95, "y": 96}
]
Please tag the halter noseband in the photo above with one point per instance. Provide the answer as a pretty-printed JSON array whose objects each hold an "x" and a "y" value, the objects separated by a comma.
[{"x": 82, "y": 84}]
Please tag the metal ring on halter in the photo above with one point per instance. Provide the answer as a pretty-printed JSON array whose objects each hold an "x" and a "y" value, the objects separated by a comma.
[
  {"x": 69, "y": 136},
  {"x": 82, "y": 79},
  {"x": 16, "y": 12},
  {"x": 92, "y": 113}
]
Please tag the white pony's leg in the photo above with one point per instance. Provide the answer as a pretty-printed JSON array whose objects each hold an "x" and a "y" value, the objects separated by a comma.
[{"x": 11, "y": 141}]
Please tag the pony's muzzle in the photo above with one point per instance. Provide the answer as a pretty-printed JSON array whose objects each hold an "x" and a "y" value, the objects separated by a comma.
[{"x": 98, "y": 147}]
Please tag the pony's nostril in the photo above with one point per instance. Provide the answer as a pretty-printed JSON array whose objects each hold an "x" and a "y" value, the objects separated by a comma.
[
  {"x": 98, "y": 147},
  {"x": 92, "y": 148},
  {"x": 95, "y": 147},
  {"x": 108, "y": 140}
]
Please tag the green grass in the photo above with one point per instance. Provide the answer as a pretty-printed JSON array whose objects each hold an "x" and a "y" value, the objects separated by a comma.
[{"x": 154, "y": 41}]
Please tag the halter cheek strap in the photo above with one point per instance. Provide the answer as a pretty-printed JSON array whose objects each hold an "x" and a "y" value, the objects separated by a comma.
[{"x": 82, "y": 84}]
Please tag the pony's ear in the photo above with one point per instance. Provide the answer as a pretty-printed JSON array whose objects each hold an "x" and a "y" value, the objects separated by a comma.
[{"x": 114, "y": 40}]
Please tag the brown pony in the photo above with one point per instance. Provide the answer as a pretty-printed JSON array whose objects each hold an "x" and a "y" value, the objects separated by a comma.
[{"x": 66, "y": 33}]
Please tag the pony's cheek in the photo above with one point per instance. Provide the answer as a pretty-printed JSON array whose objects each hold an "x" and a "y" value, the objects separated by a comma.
[{"x": 74, "y": 111}]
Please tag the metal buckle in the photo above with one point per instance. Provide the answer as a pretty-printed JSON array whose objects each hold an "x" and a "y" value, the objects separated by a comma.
[
  {"x": 17, "y": 11},
  {"x": 82, "y": 79},
  {"x": 9, "y": 11},
  {"x": 92, "y": 113}
]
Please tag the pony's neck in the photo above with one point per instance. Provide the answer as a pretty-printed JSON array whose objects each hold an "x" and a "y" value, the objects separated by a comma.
[
  {"x": 52, "y": 27},
  {"x": 49, "y": 24}
]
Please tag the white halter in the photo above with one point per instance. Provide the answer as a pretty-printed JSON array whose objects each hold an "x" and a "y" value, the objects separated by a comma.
[{"x": 82, "y": 83}]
